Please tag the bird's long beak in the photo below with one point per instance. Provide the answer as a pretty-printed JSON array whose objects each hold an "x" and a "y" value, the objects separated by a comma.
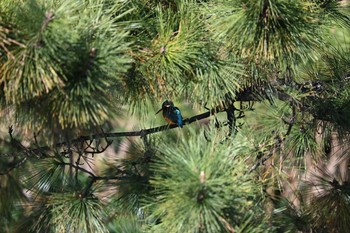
[{"x": 159, "y": 111}]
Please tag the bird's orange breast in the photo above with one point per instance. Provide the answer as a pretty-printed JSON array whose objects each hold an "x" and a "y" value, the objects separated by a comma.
[{"x": 169, "y": 121}]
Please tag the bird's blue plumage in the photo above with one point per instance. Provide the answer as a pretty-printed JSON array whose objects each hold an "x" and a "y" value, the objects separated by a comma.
[
  {"x": 171, "y": 113},
  {"x": 179, "y": 117},
  {"x": 174, "y": 115}
]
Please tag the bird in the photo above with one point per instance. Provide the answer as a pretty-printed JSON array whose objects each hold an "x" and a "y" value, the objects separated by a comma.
[{"x": 171, "y": 113}]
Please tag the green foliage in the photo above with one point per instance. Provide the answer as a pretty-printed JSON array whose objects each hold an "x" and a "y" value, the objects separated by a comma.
[
  {"x": 57, "y": 196},
  {"x": 11, "y": 195},
  {"x": 47, "y": 175},
  {"x": 85, "y": 213},
  {"x": 179, "y": 57},
  {"x": 195, "y": 181},
  {"x": 329, "y": 190},
  {"x": 289, "y": 218},
  {"x": 125, "y": 224},
  {"x": 62, "y": 72},
  {"x": 266, "y": 31}
]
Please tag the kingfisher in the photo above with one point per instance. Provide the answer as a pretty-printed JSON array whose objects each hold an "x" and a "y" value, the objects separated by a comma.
[{"x": 171, "y": 113}]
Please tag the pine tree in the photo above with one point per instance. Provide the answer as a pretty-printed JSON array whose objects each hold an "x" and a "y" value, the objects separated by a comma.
[{"x": 81, "y": 148}]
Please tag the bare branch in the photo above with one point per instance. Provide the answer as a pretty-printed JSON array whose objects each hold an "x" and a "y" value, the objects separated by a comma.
[{"x": 79, "y": 168}]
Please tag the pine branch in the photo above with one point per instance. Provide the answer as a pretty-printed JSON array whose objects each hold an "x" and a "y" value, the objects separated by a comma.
[{"x": 140, "y": 133}]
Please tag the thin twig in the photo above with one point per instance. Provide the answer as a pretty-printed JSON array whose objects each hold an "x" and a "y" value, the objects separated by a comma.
[
  {"x": 262, "y": 160},
  {"x": 79, "y": 168},
  {"x": 292, "y": 120},
  {"x": 15, "y": 165}
]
